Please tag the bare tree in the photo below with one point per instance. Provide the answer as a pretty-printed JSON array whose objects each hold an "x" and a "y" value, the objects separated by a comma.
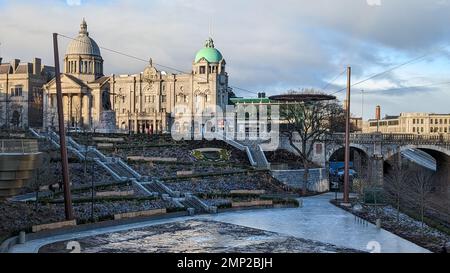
[
  {"x": 396, "y": 182},
  {"x": 307, "y": 124},
  {"x": 421, "y": 187}
]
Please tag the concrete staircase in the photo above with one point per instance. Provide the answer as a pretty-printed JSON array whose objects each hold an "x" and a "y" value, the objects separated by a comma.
[
  {"x": 192, "y": 201},
  {"x": 121, "y": 171},
  {"x": 253, "y": 149}
]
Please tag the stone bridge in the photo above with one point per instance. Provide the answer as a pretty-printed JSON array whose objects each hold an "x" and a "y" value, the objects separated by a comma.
[{"x": 378, "y": 148}]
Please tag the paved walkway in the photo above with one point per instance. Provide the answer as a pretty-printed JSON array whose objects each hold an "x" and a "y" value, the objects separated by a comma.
[{"x": 317, "y": 220}]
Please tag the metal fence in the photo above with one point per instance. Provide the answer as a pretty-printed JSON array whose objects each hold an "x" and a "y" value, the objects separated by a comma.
[{"x": 18, "y": 146}]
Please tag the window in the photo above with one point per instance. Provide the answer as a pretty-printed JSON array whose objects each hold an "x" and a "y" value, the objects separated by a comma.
[
  {"x": 16, "y": 91},
  {"x": 202, "y": 69},
  {"x": 421, "y": 129},
  {"x": 163, "y": 98},
  {"x": 319, "y": 148},
  {"x": 414, "y": 129},
  {"x": 414, "y": 121},
  {"x": 440, "y": 121},
  {"x": 421, "y": 121},
  {"x": 431, "y": 121}
]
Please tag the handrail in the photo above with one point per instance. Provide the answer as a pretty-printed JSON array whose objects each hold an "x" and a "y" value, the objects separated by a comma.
[
  {"x": 129, "y": 169},
  {"x": 112, "y": 172},
  {"x": 19, "y": 146},
  {"x": 238, "y": 146},
  {"x": 441, "y": 138}
]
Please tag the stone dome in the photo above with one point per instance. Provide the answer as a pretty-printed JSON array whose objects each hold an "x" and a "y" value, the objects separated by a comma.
[
  {"x": 208, "y": 52},
  {"x": 83, "y": 44}
]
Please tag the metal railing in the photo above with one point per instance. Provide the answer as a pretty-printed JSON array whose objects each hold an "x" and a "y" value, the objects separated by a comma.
[
  {"x": 394, "y": 138},
  {"x": 21, "y": 146}
]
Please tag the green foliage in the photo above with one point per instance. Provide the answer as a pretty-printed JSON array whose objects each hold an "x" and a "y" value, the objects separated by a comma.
[{"x": 198, "y": 155}]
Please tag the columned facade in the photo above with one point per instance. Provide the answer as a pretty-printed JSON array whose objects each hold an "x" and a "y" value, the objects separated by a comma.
[{"x": 145, "y": 102}]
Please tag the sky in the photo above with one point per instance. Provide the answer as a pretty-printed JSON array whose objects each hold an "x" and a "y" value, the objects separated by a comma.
[{"x": 269, "y": 46}]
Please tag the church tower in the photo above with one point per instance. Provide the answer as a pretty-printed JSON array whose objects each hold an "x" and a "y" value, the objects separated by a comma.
[{"x": 210, "y": 78}]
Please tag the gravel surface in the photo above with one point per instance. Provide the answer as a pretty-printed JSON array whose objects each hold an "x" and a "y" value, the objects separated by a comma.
[
  {"x": 15, "y": 216},
  {"x": 407, "y": 227},
  {"x": 170, "y": 170},
  {"x": 224, "y": 184}
]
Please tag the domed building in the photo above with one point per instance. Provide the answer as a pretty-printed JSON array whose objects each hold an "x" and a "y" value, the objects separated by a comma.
[
  {"x": 145, "y": 102},
  {"x": 83, "y": 58},
  {"x": 148, "y": 101},
  {"x": 85, "y": 89}
]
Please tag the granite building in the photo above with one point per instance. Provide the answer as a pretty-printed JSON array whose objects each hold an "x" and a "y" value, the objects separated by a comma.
[
  {"x": 144, "y": 102},
  {"x": 21, "y": 93}
]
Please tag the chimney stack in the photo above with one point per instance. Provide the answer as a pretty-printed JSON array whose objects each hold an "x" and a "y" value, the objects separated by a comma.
[
  {"x": 1, "y": 60},
  {"x": 37, "y": 66},
  {"x": 378, "y": 112}
]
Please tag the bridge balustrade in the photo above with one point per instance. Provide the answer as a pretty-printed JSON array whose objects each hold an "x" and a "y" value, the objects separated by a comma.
[{"x": 393, "y": 138}]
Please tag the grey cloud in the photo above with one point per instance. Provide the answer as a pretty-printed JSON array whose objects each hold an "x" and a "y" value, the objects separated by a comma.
[{"x": 269, "y": 46}]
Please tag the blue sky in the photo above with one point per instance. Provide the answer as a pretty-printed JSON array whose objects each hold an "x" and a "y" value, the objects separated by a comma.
[{"x": 269, "y": 46}]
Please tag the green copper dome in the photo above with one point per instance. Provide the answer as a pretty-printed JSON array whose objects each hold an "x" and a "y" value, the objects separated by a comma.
[{"x": 211, "y": 54}]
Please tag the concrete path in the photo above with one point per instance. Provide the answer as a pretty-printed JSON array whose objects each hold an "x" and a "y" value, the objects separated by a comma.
[
  {"x": 316, "y": 220},
  {"x": 321, "y": 221}
]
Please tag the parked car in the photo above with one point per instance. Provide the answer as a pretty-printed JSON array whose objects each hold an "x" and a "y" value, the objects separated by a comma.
[
  {"x": 75, "y": 130},
  {"x": 352, "y": 173}
]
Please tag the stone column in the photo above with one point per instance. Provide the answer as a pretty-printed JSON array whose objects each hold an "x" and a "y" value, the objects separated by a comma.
[
  {"x": 89, "y": 122},
  {"x": 377, "y": 170},
  {"x": 443, "y": 174},
  {"x": 70, "y": 109},
  {"x": 80, "y": 117}
]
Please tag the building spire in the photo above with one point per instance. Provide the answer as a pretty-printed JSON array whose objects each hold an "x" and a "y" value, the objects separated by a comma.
[{"x": 83, "y": 28}]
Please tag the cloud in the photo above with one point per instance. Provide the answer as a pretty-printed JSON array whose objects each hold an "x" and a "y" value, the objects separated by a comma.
[
  {"x": 269, "y": 46},
  {"x": 73, "y": 2}
]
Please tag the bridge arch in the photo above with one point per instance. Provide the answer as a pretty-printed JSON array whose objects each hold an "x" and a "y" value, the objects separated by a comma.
[
  {"x": 441, "y": 179},
  {"x": 356, "y": 146},
  {"x": 387, "y": 155}
]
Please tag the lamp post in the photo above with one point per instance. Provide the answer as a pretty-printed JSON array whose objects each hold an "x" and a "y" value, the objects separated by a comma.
[
  {"x": 62, "y": 135},
  {"x": 347, "y": 140}
]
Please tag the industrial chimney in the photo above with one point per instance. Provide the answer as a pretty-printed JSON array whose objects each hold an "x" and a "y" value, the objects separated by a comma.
[{"x": 378, "y": 112}]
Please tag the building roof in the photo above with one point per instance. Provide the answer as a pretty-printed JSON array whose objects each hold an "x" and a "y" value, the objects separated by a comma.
[
  {"x": 101, "y": 80},
  {"x": 250, "y": 100},
  {"x": 4, "y": 68},
  {"x": 391, "y": 117},
  {"x": 209, "y": 52},
  {"x": 302, "y": 97},
  {"x": 83, "y": 44}
]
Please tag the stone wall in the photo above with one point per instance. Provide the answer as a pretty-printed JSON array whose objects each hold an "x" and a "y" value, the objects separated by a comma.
[
  {"x": 318, "y": 155},
  {"x": 317, "y": 181}
]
